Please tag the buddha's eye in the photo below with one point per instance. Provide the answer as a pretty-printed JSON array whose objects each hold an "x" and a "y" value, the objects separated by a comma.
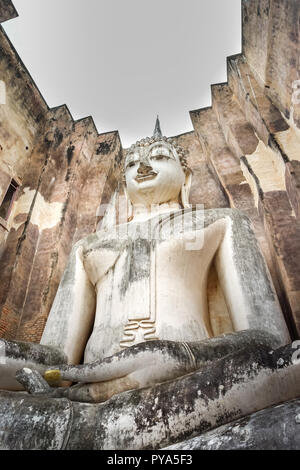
[{"x": 159, "y": 157}]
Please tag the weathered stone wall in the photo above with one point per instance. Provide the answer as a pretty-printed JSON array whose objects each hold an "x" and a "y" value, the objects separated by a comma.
[
  {"x": 251, "y": 138},
  {"x": 7, "y": 10},
  {"x": 50, "y": 216},
  {"x": 244, "y": 153},
  {"x": 65, "y": 170},
  {"x": 22, "y": 118},
  {"x": 271, "y": 46}
]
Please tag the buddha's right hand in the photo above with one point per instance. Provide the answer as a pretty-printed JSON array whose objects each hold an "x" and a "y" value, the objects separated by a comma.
[{"x": 141, "y": 365}]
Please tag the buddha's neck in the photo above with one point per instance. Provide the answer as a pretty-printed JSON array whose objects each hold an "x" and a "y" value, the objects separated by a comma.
[{"x": 145, "y": 213}]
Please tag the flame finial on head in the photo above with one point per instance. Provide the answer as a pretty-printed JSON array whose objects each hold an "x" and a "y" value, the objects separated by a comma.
[{"x": 157, "y": 131}]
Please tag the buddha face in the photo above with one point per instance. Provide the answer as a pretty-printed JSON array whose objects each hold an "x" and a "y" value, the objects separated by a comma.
[{"x": 154, "y": 174}]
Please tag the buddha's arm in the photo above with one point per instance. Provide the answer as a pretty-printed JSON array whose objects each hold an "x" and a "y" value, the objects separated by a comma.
[
  {"x": 245, "y": 280},
  {"x": 71, "y": 317}
]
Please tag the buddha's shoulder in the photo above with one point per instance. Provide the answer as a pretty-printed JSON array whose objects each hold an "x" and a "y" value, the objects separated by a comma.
[
  {"x": 95, "y": 240},
  {"x": 212, "y": 215},
  {"x": 204, "y": 216}
]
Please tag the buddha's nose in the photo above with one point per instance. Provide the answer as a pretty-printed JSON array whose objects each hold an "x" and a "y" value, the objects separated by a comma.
[{"x": 144, "y": 168}]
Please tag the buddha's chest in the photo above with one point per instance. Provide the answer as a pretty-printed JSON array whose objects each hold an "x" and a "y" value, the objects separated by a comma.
[{"x": 146, "y": 288}]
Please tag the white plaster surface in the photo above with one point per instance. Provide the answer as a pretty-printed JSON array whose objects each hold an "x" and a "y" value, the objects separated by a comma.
[
  {"x": 265, "y": 162},
  {"x": 45, "y": 214}
]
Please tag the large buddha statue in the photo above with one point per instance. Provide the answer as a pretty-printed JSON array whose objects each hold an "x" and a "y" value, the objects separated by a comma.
[
  {"x": 138, "y": 300},
  {"x": 173, "y": 306}
]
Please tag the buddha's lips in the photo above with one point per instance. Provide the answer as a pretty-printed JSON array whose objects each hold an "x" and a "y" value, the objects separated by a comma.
[{"x": 149, "y": 176}]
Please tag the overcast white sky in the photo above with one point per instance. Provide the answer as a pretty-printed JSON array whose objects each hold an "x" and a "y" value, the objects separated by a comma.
[{"x": 124, "y": 61}]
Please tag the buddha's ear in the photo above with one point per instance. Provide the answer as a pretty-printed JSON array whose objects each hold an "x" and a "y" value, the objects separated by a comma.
[{"x": 186, "y": 188}]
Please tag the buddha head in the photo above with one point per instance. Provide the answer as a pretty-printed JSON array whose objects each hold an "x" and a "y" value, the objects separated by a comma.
[{"x": 156, "y": 171}]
